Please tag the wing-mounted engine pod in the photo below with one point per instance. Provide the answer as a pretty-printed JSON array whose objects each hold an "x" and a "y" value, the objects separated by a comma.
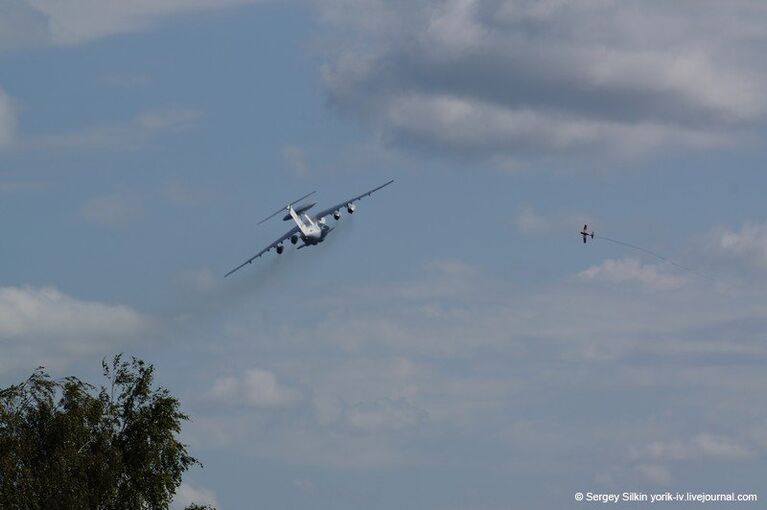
[
  {"x": 293, "y": 239},
  {"x": 337, "y": 214},
  {"x": 351, "y": 207},
  {"x": 280, "y": 248}
]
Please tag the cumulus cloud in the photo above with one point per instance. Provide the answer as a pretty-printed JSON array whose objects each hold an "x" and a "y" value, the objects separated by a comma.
[
  {"x": 479, "y": 127},
  {"x": 46, "y": 326},
  {"x": 747, "y": 246},
  {"x": 256, "y": 388},
  {"x": 502, "y": 78},
  {"x": 631, "y": 270},
  {"x": 399, "y": 373}
]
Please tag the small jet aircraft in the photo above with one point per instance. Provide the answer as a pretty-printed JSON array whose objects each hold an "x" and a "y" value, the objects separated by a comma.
[
  {"x": 310, "y": 229},
  {"x": 585, "y": 233}
]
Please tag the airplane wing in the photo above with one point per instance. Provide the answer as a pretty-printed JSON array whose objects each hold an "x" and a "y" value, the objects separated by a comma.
[
  {"x": 289, "y": 233},
  {"x": 330, "y": 210}
]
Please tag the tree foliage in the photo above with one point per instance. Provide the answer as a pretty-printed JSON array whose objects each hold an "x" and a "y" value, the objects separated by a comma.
[{"x": 65, "y": 444}]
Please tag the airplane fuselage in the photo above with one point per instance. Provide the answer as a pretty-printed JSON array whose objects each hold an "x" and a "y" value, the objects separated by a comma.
[{"x": 312, "y": 231}]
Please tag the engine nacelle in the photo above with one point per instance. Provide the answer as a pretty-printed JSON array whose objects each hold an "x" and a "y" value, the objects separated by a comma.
[
  {"x": 280, "y": 249},
  {"x": 294, "y": 239},
  {"x": 337, "y": 214},
  {"x": 351, "y": 208}
]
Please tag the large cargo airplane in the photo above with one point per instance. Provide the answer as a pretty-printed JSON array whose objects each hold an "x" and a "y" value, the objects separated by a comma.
[{"x": 309, "y": 229}]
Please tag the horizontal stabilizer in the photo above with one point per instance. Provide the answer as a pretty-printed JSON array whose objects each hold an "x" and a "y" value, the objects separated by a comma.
[
  {"x": 278, "y": 211},
  {"x": 299, "y": 210}
]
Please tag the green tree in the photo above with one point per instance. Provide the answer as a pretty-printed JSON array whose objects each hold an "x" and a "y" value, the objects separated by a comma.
[{"x": 64, "y": 444}]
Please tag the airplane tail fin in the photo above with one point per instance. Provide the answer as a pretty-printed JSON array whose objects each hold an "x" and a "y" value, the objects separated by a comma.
[{"x": 281, "y": 209}]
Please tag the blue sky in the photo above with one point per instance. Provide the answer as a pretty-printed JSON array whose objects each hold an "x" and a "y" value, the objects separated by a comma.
[{"x": 453, "y": 345}]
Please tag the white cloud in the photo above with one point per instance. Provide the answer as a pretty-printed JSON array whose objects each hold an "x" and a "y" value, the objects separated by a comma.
[
  {"x": 453, "y": 27},
  {"x": 188, "y": 494},
  {"x": 399, "y": 373},
  {"x": 113, "y": 209},
  {"x": 504, "y": 78},
  {"x": 469, "y": 125},
  {"x": 633, "y": 271},
  {"x": 710, "y": 445},
  {"x": 45, "y": 326},
  {"x": 256, "y": 388},
  {"x": 747, "y": 246},
  {"x": 700, "y": 446}
]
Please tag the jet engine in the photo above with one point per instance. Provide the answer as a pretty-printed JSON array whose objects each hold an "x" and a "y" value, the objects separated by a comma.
[
  {"x": 337, "y": 214},
  {"x": 294, "y": 239},
  {"x": 350, "y": 208},
  {"x": 280, "y": 248}
]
